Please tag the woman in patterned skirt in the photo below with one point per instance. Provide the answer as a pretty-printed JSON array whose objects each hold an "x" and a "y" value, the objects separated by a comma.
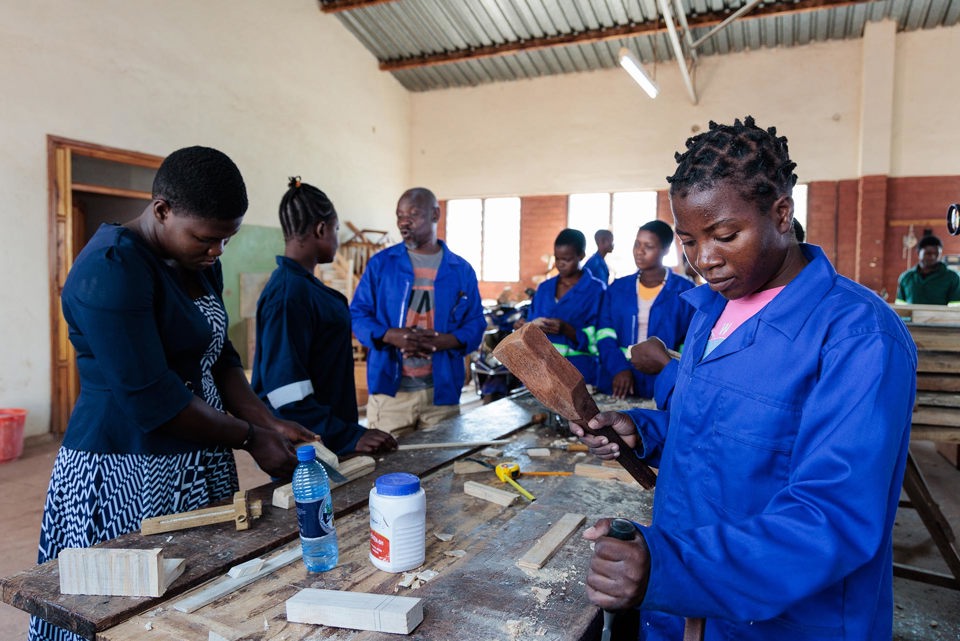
[{"x": 149, "y": 434}]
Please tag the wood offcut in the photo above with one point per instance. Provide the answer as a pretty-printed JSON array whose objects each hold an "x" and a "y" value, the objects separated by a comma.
[
  {"x": 117, "y": 571},
  {"x": 545, "y": 547}
]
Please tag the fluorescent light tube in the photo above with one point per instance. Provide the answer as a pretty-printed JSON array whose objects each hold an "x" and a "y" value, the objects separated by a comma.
[{"x": 633, "y": 67}]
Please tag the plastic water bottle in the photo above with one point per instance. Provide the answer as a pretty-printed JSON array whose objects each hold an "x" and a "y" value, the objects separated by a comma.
[{"x": 311, "y": 491}]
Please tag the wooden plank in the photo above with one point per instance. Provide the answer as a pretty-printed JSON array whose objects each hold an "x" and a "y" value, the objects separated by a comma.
[
  {"x": 117, "y": 572},
  {"x": 489, "y": 493},
  {"x": 451, "y": 445},
  {"x": 928, "y": 314},
  {"x": 936, "y": 433},
  {"x": 938, "y": 382},
  {"x": 537, "y": 556},
  {"x": 938, "y": 400},
  {"x": 938, "y": 363},
  {"x": 355, "y": 610},
  {"x": 602, "y": 472},
  {"x": 226, "y": 584},
  {"x": 351, "y": 468},
  {"x": 36, "y": 591},
  {"x": 944, "y": 416},
  {"x": 935, "y": 339}
]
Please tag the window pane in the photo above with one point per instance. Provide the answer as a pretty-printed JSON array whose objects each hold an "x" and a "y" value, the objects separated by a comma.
[
  {"x": 588, "y": 213},
  {"x": 109, "y": 173},
  {"x": 630, "y": 211},
  {"x": 800, "y": 205},
  {"x": 464, "y": 227},
  {"x": 501, "y": 239}
]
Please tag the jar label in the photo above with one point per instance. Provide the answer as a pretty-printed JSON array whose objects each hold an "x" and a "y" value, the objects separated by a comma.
[
  {"x": 315, "y": 518},
  {"x": 379, "y": 546}
]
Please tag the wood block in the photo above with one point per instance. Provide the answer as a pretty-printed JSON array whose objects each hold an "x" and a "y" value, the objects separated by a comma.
[
  {"x": 117, "y": 571},
  {"x": 352, "y": 468},
  {"x": 538, "y": 452},
  {"x": 488, "y": 493},
  {"x": 355, "y": 610},
  {"x": 545, "y": 547},
  {"x": 602, "y": 472}
]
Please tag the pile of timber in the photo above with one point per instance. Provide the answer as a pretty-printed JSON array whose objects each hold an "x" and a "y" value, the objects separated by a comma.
[{"x": 936, "y": 332}]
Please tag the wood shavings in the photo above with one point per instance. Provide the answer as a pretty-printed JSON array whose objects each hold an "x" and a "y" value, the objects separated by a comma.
[
  {"x": 148, "y": 626},
  {"x": 443, "y": 536},
  {"x": 456, "y": 553},
  {"x": 414, "y": 580},
  {"x": 541, "y": 594}
]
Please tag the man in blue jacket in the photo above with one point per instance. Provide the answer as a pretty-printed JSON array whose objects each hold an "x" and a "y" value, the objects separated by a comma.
[
  {"x": 417, "y": 308},
  {"x": 596, "y": 265}
]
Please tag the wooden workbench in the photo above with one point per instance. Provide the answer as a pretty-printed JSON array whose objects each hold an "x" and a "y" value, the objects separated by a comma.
[{"x": 481, "y": 595}]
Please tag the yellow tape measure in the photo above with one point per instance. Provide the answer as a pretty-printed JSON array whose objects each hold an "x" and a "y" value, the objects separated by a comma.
[{"x": 506, "y": 472}]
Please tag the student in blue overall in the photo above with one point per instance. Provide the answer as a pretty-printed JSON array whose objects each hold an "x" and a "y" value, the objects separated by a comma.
[
  {"x": 417, "y": 308},
  {"x": 303, "y": 366},
  {"x": 782, "y": 452},
  {"x": 566, "y": 306},
  {"x": 596, "y": 265},
  {"x": 150, "y": 433},
  {"x": 645, "y": 304}
]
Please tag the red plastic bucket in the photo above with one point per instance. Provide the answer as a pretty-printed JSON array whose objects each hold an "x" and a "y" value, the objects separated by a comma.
[{"x": 11, "y": 433}]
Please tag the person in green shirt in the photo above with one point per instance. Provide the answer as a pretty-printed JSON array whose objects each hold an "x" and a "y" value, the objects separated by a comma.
[{"x": 931, "y": 282}]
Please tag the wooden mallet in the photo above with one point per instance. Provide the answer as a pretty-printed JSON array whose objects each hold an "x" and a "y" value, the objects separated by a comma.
[{"x": 531, "y": 357}]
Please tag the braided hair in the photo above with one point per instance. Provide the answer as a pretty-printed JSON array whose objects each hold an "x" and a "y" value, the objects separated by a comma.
[
  {"x": 755, "y": 159},
  {"x": 302, "y": 207}
]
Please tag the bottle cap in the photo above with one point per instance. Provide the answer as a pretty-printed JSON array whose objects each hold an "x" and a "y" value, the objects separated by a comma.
[
  {"x": 306, "y": 453},
  {"x": 397, "y": 484}
]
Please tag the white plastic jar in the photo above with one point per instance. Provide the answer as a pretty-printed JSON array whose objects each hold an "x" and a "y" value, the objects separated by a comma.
[{"x": 398, "y": 522}]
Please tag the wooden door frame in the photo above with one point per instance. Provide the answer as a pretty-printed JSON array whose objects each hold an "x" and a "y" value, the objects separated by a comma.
[{"x": 62, "y": 249}]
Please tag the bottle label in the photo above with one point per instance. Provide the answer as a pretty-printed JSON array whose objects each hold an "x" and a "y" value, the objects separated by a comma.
[
  {"x": 315, "y": 517},
  {"x": 379, "y": 546}
]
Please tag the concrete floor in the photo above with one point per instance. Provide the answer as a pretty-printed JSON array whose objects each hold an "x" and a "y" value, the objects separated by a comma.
[{"x": 922, "y": 612}]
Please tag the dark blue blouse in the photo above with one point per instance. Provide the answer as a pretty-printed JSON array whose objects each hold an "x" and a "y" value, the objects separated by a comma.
[{"x": 139, "y": 339}]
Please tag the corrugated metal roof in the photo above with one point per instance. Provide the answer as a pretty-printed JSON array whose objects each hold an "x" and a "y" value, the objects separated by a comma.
[{"x": 406, "y": 36}]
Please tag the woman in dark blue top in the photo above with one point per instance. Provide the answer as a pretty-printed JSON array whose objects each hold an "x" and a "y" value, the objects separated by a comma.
[
  {"x": 303, "y": 367},
  {"x": 149, "y": 434}
]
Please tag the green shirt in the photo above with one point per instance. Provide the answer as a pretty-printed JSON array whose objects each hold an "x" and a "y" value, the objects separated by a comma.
[{"x": 937, "y": 288}]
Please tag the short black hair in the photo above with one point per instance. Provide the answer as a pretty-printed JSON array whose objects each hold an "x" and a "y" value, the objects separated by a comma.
[
  {"x": 754, "y": 159},
  {"x": 929, "y": 241},
  {"x": 602, "y": 233},
  {"x": 572, "y": 238},
  {"x": 302, "y": 207},
  {"x": 661, "y": 230},
  {"x": 201, "y": 182}
]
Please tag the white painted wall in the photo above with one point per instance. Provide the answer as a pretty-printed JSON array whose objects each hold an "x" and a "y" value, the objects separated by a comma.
[
  {"x": 280, "y": 87},
  {"x": 598, "y": 131},
  {"x": 926, "y": 130}
]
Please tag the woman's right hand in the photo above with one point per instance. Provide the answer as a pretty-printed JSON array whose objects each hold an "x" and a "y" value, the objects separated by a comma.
[
  {"x": 273, "y": 452},
  {"x": 599, "y": 445}
]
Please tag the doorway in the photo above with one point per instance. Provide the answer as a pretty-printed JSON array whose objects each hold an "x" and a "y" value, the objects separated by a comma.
[{"x": 88, "y": 185}]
